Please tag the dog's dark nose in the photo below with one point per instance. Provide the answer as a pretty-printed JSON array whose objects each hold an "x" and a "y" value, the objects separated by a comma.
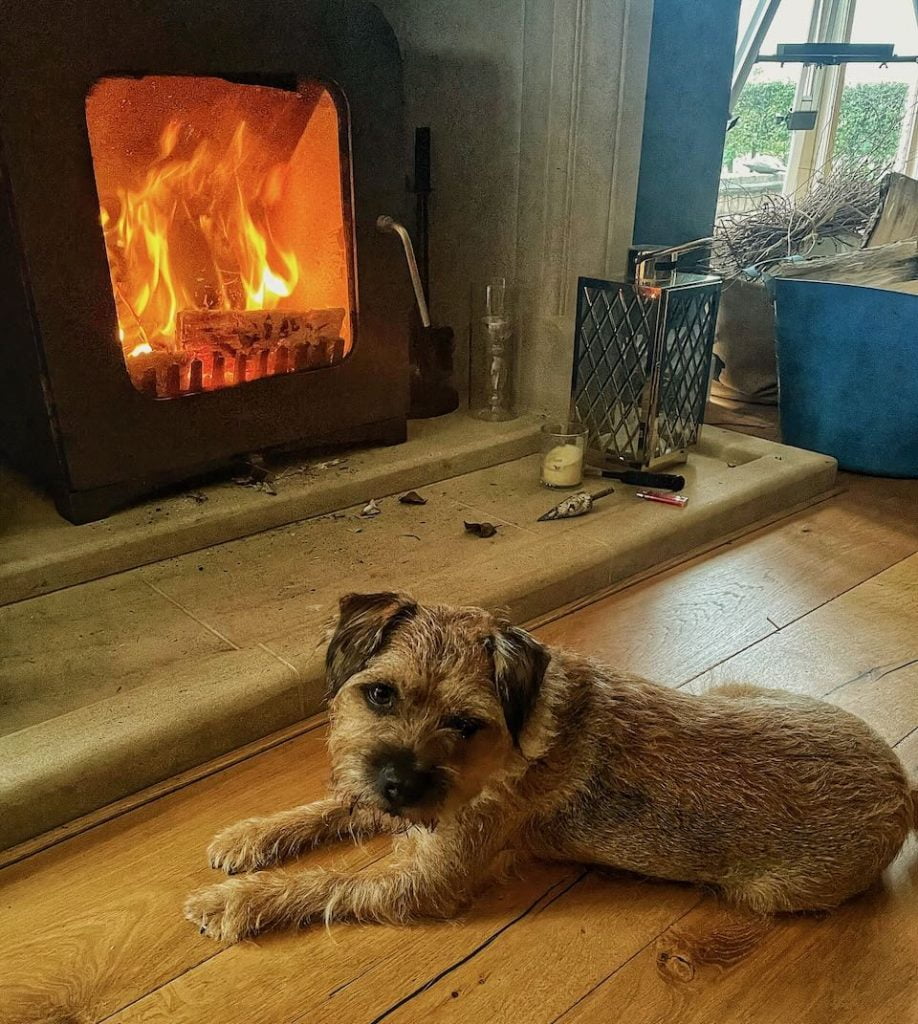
[{"x": 401, "y": 782}]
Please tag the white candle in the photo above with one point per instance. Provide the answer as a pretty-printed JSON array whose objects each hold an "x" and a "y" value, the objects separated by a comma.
[{"x": 562, "y": 466}]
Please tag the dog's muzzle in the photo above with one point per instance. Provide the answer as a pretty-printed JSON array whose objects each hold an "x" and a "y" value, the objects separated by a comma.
[{"x": 401, "y": 782}]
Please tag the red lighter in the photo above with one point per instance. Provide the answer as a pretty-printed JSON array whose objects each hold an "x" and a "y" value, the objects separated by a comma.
[{"x": 679, "y": 500}]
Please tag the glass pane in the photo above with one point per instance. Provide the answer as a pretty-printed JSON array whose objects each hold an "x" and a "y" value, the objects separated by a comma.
[
  {"x": 226, "y": 215},
  {"x": 875, "y": 99},
  {"x": 757, "y": 147}
]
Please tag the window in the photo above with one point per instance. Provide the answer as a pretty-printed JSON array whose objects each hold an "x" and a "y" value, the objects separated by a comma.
[
  {"x": 862, "y": 111},
  {"x": 877, "y": 103},
  {"x": 758, "y": 146}
]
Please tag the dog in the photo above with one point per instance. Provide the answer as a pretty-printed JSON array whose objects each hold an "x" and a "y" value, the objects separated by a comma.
[{"x": 473, "y": 744}]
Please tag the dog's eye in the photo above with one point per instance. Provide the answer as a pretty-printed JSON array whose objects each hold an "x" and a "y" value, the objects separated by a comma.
[
  {"x": 466, "y": 727},
  {"x": 379, "y": 695}
]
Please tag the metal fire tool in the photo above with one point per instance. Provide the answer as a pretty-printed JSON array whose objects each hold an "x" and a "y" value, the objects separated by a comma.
[
  {"x": 392, "y": 226},
  {"x": 432, "y": 390}
]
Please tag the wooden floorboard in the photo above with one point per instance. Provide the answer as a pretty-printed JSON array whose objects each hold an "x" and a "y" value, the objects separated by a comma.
[
  {"x": 859, "y": 651},
  {"x": 346, "y": 973},
  {"x": 94, "y": 923},
  {"x": 855, "y": 966},
  {"x": 825, "y": 602},
  {"x": 676, "y": 625}
]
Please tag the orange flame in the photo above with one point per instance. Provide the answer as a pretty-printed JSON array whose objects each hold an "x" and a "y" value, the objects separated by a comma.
[{"x": 196, "y": 234}]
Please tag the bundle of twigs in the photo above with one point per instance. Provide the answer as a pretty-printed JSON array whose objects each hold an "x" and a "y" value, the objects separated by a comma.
[{"x": 837, "y": 204}]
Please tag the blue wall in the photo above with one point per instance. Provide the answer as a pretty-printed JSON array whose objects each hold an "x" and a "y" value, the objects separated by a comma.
[{"x": 688, "y": 95}]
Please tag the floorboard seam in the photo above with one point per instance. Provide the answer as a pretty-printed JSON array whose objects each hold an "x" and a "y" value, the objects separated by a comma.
[
  {"x": 484, "y": 945},
  {"x": 799, "y": 618},
  {"x": 723, "y": 661},
  {"x": 206, "y": 960},
  {"x": 847, "y": 590},
  {"x": 153, "y": 991},
  {"x": 625, "y": 963},
  {"x": 353, "y": 981},
  {"x": 873, "y": 675},
  {"x": 905, "y": 737}
]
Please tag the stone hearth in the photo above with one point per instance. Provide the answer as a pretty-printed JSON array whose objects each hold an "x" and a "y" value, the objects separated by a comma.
[
  {"x": 40, "y": 552},
  {"x": 120, "y": 682}
]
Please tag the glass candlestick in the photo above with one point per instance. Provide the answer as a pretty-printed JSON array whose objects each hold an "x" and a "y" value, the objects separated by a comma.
[{"x": 493, "y": 352}]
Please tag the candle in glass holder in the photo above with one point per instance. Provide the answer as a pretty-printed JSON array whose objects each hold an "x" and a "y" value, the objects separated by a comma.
[
  {"x": 562, "y": 466},
  {"x": 563, "y": 448}
]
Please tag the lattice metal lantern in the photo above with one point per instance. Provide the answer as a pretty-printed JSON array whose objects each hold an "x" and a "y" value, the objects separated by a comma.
[{"x": 642, "y": 360}]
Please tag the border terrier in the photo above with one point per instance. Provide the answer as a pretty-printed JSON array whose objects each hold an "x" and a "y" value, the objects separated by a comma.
[{"x": 472, "y": 744}]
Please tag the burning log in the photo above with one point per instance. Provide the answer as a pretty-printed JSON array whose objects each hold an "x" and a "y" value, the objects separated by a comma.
[
  {"x": 317, "y": 356},
  {"x": 196, "y": 376},
  {"x": 173, "y": 380},
  {"x": 257, "y": 329},
  {"x": 240, "y": 368},
  {"x": 218, "y": 371}
]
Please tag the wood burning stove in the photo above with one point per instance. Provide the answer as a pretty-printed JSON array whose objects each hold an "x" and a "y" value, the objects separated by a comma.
[{"x": 190, "y": 265}]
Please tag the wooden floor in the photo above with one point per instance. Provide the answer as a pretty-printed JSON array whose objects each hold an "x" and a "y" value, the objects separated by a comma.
[{"x": 825, "y": 602}]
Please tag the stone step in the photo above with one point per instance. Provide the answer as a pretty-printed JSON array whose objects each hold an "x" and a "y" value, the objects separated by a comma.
[{"x": 119, "y": 683}]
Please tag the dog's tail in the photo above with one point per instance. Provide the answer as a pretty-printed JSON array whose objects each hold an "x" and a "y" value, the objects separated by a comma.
[{"x": 914, "y": 794}]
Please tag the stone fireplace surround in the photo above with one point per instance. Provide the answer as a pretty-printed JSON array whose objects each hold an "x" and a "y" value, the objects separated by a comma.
[{"x": 536, "y": 114}]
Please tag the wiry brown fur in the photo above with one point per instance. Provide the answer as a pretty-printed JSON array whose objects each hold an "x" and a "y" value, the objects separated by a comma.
[{"x": 781, "y": 801}]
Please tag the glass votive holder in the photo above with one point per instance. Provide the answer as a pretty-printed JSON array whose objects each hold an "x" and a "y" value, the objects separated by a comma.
[{"x": 563, "y": 449}]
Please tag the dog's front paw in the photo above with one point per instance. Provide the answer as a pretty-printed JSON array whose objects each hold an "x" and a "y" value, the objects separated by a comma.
[
  {"x": 241, "y": 847},
  {"x": 223, "y": 912}
]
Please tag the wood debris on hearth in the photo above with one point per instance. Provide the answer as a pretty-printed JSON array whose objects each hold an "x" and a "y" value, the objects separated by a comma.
[
  {"x": 481, "y": 529},
  {"x": 254, "y": 473},
  {"x": 412, "y": 498}
]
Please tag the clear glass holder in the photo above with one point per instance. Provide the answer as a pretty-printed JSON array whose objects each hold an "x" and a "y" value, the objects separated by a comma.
[
  {"x": 563, "y": 451},
  {"x": 493, "y": 352}
]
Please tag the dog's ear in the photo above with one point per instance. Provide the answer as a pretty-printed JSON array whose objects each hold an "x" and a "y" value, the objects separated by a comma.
[
  {"x": 364, "y": 623},
  {"x": 519, "y": 668}
]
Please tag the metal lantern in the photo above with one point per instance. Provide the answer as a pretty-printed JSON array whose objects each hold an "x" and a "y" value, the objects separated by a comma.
[{"x": 642, "y": 358}]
